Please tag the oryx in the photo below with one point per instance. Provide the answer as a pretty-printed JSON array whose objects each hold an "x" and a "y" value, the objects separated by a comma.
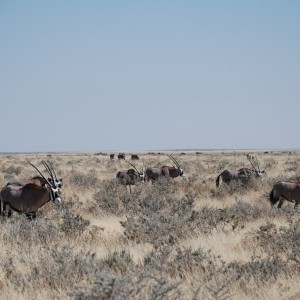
[
  {"x": 131, "y": 176},
  {"x": 243, "y": 175},
  {"x": 28, "y": 195},
  {"x": 155, "y": 173},
  {"x": 121, "y": 156},
  {"x": 285, "y": 190},
  {"x": 134, "y": 157}
]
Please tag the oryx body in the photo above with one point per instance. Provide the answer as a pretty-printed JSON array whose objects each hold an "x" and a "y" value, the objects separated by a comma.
[
  {"x": 285, "y": 190},
  {"x": 153, "y": 173},
  {"x": 121, "y": 156},
  {"x": 28, "y": 195},
  {"x": 27, "y": 198},
  {"x": 168, "y": 171},
  {"x": 130, "y": 177},
  {"x": 242, "y": 175},
  {"x": 171, "y": 171}
]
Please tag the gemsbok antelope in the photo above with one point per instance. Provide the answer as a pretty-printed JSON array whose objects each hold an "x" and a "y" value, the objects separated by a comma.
[
  {"x": 28, "y": 195},
  {"x": 121, "y": 156},
  {"x": 134, "y": 157},
  {"x": 285, "y": 190},
  {"x": 155, "y": 173},
  {"x": 242, "y": 175},
  {"x": 131, "y": 176}
]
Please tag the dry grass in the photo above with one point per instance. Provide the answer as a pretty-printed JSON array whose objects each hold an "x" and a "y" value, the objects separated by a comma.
[{"x": 175, "y": 239}]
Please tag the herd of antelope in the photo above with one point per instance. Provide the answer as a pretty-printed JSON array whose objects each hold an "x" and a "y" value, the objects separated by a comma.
[{"x": 28, "y": 195}]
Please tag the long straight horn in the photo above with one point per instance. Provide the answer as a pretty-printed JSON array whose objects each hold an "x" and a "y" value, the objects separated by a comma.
[
  {"x": 257, "y": 164},
  {"x": 174, "y": 161},
  {"x": 49, "y": 171},
  {"x": 132, "y": 166},
  {"x": 46, "y": 167},
  {"x": 250, "y": 160},
  {"x": 53, "y": 170},
  {"x": 40, "y": 173}
]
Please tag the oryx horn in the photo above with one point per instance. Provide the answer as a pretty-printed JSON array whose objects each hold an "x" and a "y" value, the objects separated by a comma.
[
  {"x": 174, "y": 161},
  {"x": 49, "y": 171},
  {"x": 250, "y": 160},
  {"x": 40, "y": 173},
  {"x": 132, "y": 166}
]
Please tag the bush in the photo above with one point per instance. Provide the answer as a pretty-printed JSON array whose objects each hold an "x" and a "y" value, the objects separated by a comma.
[
  {"x": 73, "y": 223},
  {"x": 11, "y": 172},
  {"x": 232, "y": 217},
  {"x": 83, "y": 181},
  {"x": 282, "y": 242}
]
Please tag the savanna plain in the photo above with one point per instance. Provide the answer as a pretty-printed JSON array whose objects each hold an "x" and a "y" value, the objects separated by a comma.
[{"x": 180, "y": 238}]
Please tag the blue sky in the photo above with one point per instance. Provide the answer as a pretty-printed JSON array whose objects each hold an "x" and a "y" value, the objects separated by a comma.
[{"x": 149, "y": 75}]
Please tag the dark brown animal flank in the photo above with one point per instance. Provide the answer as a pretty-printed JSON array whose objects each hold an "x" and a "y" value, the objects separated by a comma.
[
  {"x": 33, "y": 197},
  {"x": 121, "y": 156},
  {"x": 285, "y": 190},
  {"x": 170, "y": 171},
  {"x": 155, "y": 173},
  {"x": 27, "y": 196}
]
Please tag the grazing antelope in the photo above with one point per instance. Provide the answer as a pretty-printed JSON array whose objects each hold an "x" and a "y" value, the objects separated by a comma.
[
  {"x": 27, "y": 196},
  {"x": 155, "y": 173},
  {"x": 243, "y": 175},
  {"x": 285, "y": 190},
  {"x": 112, "y": 156},
  {"x": 135, "y": 157},
  {"x": 121, "y": 156},
  {"x": 131, "y": 176}
]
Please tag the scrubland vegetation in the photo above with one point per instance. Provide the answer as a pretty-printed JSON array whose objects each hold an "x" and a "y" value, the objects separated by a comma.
[{"x": 174, "y": 239}]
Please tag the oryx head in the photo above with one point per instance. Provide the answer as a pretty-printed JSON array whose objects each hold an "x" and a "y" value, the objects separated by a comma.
[
  {"x": 255, "y": 165},
  {"x": 58, "y": 183},
  {"x": 181, "y": 173},
  {"x": 55, "y": 190},
  {"x": 140, "y": 174}
]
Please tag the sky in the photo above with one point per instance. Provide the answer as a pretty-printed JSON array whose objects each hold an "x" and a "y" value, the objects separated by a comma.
[{"x": 149, "y": 75}]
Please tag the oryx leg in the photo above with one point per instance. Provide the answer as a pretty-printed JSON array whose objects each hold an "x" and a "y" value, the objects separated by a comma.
[
  {"x": 6, "y": 212},
  {"x": 280, "y": 202},
  {"x": 31, "y": 215}
]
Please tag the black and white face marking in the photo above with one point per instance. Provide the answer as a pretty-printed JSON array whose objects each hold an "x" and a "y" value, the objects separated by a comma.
[
  {"x": 181, "y": 172},
  {"x": 55, "y": 192},
  {"x": 58, "y": 183},
  {"x": 260, "y": 174},
  {"x": 142, "y": 176}
]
